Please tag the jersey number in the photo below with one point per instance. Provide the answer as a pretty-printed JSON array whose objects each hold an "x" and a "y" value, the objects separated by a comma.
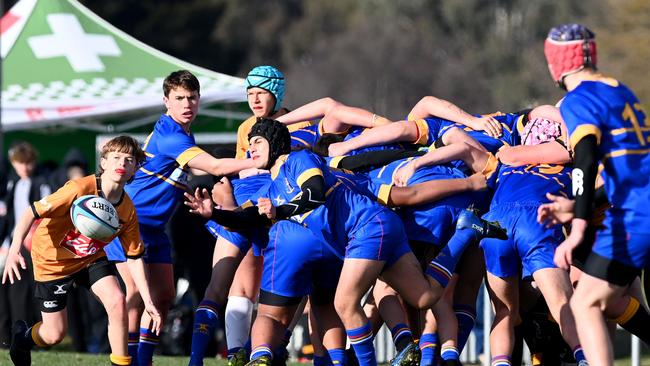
[{"x": 628, "y": 114}]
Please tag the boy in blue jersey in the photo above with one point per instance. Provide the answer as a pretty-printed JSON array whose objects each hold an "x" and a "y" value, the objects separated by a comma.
[
  {"x": 155, "y": 190},
  {"x": 371, "y": 237},
  {"x": 605, "y": 122},
  {"x": 530, "y": 246}
]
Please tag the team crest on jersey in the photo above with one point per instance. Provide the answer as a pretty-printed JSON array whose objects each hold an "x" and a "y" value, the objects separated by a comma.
[
  {"x": 279, "y": 201},
  {"x": 81, "y": 245},
  {"x": 290, "y": 188},
  {"x": 179, "y": 176}
]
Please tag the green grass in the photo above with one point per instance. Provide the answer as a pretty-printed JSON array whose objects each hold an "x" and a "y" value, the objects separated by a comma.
[{"x": 57, "y": 358}]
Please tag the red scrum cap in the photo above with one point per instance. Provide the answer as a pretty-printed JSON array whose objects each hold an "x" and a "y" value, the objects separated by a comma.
[{"x": 569, "y": 48}]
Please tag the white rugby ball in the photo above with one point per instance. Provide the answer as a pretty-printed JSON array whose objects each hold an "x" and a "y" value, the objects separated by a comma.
[{"x": 94, "y": 217}]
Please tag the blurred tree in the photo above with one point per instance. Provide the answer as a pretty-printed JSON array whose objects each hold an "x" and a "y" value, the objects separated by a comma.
[{"x": 386, "y": 54}]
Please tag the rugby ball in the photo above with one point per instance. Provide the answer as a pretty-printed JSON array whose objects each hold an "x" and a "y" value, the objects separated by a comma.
[{"x": 94, "y": 217}]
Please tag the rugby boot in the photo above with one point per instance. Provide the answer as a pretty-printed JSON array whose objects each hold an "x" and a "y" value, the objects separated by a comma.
[
  {"x": 239, "y": 358},
  {"x": 469, "y": 219},
  {"x": 409, "y": 356},
  {"x": 260, "y": 361},
  {"x": 19, "y": 351}
]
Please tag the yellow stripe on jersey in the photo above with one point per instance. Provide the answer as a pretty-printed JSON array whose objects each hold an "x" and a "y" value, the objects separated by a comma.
[
  {"x": 175, "y": 184},
  {"x": 620, "y": 131},
  {"x": 335, "y": 161},
  {"x": 617, "y": 153},
  {"x": 188, "y": 155},
  {"x": 304, "y": 176},
  {"x": 583, "y": 131},
  {"x": 384, "y": 194},
  {"x": 300, "y": 125},
  {"x": 247, "y": 204},
  {"x": 279, "y": 163},
  {"x": 146, "y": 141},
  {"x": 300, "y": 140},
  {"x": 423, "y": 132}
]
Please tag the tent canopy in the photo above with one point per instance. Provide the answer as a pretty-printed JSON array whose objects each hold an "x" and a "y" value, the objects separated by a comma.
[{"x": 62, "y": 64}]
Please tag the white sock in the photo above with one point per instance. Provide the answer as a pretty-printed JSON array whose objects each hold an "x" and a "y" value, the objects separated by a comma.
[{"x": 239, "y": 312}]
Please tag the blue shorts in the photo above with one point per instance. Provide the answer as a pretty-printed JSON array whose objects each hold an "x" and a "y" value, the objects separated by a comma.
[
  {"x": 529, "y": 246},
  {"x": 157, "y": 247},
  {"x": 432, "y": 224},
  {"x": 239, "y": 240},
  {"x": 382, "y": 239},
  {"x": 296, "y": 260},
  {"x": 615, "y": 243}
]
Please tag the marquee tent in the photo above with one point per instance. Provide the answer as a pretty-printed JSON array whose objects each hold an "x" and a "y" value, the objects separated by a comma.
[{"x": 64, "y": 65}]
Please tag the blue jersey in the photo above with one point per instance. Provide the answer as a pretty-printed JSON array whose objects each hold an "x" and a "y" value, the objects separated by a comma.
[
  {"x": 161, "y": 180},
  {"x": 305, "y": 137},
  {"x": 432, "y": 128},
  {"x": 345, "y": 210},
  {"x": 609, "y": 110},
  {"x": 529, "y": 184}
]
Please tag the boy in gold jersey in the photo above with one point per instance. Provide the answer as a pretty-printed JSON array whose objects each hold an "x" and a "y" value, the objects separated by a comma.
[{"x": 63, "y": 257}]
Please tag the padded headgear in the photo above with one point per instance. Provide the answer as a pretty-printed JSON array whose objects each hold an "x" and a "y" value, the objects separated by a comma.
[
  {"x": 276, "y": 134},
  {"x": 268, "y": 78},
  {"x": 569, "y": 48},
  {"x": 541, "y": 130}
]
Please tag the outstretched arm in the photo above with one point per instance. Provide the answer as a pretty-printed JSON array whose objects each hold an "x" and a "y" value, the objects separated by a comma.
[
  {"x": 432, "y": 106},
  {"x": 547, "y": 153},
  {"x": 335, "y": 117},
  {"x": 219, "y": 167},
  {"x": 310, "y": 111},
  {"x": 405, "y": 131}
]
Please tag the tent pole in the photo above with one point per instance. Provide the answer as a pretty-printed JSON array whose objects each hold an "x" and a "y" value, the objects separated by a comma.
[{"x": 2, "y": 134}]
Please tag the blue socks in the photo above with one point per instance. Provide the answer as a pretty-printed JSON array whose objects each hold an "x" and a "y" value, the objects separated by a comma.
[
  {"x": 148, "y": 342},
  {"x": 449, "y": 353},
  {"x": 401, "y": 336},
  {"x": 133, "y": 344},
  {"x": 466, "y": 317},
  {"x": 261, "y": 350},
  {"x": 205, "y": 321},
  {"x": 578, "y": 354},
  {"x": 443, "y": 266},
  {"x": 428, "y": 348},
  {"x": 361, "y": 340},
  {"x": 337, "y": 355}
]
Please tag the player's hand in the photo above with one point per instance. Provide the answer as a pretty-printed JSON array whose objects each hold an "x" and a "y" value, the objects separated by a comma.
[
  {"x": 403, "y": 174},
  {"x": 265, "y": 207},
  {"x": 222, "y": 191},
  {"x": 488, "y": 124},
  {"x": 156, "y": 318},
  {"x": 558, "y": 211},
  {"x": 338, "y": 149},
  {"x": 199, "y": 203},
  {"x": 14, "y": 260},
  {"x": 563, "y": 257}
]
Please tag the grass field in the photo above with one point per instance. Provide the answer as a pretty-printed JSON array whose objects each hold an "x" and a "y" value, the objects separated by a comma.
[{"x": 58, "y": 358}]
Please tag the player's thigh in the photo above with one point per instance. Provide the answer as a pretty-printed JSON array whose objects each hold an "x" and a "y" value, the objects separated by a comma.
[
  {"x": 593, "y": 291},
  {"x": 406, "y": 277},
  {"x": 246, "y": 282},
  {"x": 110, "y": 295},
  {"x": 356, "y": 278}
]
